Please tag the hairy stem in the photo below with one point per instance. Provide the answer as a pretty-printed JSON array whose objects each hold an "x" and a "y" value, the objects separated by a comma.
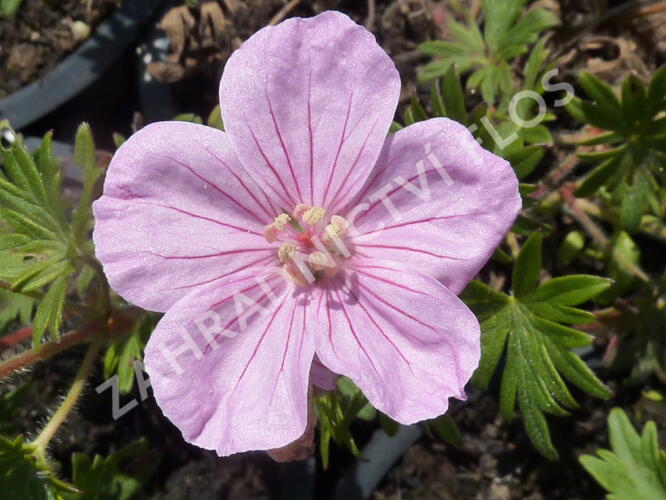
[
  {"x": 47, "y": 350},
  {"x": 41, "y": 442}
]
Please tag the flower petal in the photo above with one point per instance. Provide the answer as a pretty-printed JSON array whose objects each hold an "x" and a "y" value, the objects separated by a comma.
[
  {"x": 230, "y": 368},
  {"x": 177, "y": 212},
  {"x": 322, "y": 377},
  {"x": 307, "y": 104},
  {"x": 406, "y": 340},
  {"x": 452, "y": 202}
]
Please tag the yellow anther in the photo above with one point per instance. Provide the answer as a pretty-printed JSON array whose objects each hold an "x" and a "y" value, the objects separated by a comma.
[
  {"x": 338, "y": 227},
  {"x": 319, "y": 261},
  {"x": 281, "y": 220},
  {"x": 300, "y": 209},
  {"x": 286, "y": 251},
  {"x": 271, "y": 230},
  {"x": 313, "y": 215}
]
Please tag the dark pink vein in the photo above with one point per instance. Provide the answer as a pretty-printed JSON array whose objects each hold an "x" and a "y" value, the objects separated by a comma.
[
  {"x": 284, "y": 147},
  {"x": 353, "y": 331},
  {"x": 216, "y": 188},
  {"x": 311, "y": 137},
  {"x": 242, "y": 183},
  {"x": 381, "y": 330},
  {"x": 202, "y": 217},
  {"x": 288, "y": 200},
  {"x": 337, "y": 154},
  {"x": 408, "y": 249},
  {"x": 208, "y": 256}
]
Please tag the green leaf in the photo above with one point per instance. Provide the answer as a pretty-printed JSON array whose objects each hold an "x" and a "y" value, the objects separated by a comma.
[
  {"x": 635, "y": 202},
  {"x": 9, "y": 7},
  {"x": 446, "y": 429},
  {"x": 215, "y": 118},
  {"x": 85, "y": 157},
  {"x": 333, "y": 424},
  {"x": 602, "y": 94},
  {"x": 23, "y": 477},
  {"x": 388, "y": 425},
  {"x": 603, "y": 174},
  {"x": 125, "y": 350},
  {"x": 15, "y": 307},
  {"x": 118, "y": 139},
  {"x": 49, "y": 312},
  {"x": 115, "y": 477},
  {"x": 635, "y": 468},
  {"x": 570, "y": 290},
  {"x": 527, "y": 326},
  {"x": 572, "y": 245},
  {"x": 622, "y": 251},
  {"x": 528, "y": 265},
  {"x": 657, "y": 91},
  {"x": 453, "y": 97},
  {"x": 525, "y": 160},
  {"x": 498, "y": 15},
  {"x": 418, "y": 112},
  {"x": 526, "y": 30}
]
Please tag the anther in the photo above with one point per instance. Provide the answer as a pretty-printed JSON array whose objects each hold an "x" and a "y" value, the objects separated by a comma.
[
  {"x": 272, "y": 230},
  {"x": 313, "y": 215},
  {"x": 286, "y": 251}
]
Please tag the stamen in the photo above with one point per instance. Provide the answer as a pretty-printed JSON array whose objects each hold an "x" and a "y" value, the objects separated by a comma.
[
  {"x": 281, "y": 220},
  {"x": 272, "y": 230},
  {"x": 338, "y": 227},
  {"x": 286, "y": 251},
  {"x": 313, "y": 215},
  {"x": 300, "y": 209},
  {"x": 293, "y": 274},
  {"x": 319, "y": 261}
]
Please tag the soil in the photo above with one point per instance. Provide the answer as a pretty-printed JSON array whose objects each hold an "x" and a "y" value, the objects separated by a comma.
[
  {"x": 41, "y": 34},
  {"x": 496, "y": 460}
]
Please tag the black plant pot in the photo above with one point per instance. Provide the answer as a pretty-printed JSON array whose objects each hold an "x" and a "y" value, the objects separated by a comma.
[{"x": 81, "y": 68}]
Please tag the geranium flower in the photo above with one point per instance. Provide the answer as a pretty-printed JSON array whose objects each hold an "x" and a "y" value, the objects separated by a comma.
[{"x": 303, "y": 240}]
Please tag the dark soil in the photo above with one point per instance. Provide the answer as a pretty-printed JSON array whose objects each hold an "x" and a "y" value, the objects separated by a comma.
[{"x": 41, "y": 34}]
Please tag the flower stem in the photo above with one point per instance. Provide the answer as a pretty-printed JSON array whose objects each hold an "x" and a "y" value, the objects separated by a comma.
[
  {"x": 41, "y": 442},
  {"x": 47, "y": 350}
]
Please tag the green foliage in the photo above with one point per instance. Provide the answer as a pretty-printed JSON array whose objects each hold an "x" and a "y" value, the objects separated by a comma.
[
  {"x": 40, "y": 249},
  {"x": 635, "y": 468},
  {"x": 531, "y": 327},
  {"x": 335, "y": 412},
  {"x": 124, "y": 350},
  {"x": 445, "y": 428},
  {"x": 15, "y": 307},
  {"x": 86, "y": 158},
  {"x": 507, "y": 33},
  {"x": 9, "y": 7},
  {"x": 26, "y": 477},
  {"x": 628, "y": 172},
  {"x": 103, "y": 478},
  {"x": 36, "y": 246},
  {"x": 447, "y": 99}
]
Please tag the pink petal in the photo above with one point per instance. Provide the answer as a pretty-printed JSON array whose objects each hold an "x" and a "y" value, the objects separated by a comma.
[
  {"x": 307, "y": 104},
  {"x": 240, "y": 391},
  {"x": 407, "y": 341},
  {"x": 473, "y": 202},
  {"x": 178, "y": 211},
  {"x": 322, "y": 377}
]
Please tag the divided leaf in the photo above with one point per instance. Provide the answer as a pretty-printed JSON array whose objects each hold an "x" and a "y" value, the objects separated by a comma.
[
  {"x": 636, "y": 467},
  {"x": 531, "y": 327}
]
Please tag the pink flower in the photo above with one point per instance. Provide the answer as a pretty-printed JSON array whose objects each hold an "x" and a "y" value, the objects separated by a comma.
[{"x": 303, "y": 235}]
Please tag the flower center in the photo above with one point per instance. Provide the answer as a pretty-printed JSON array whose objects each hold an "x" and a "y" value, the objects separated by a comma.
[{"x": 312, "y": 246}]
